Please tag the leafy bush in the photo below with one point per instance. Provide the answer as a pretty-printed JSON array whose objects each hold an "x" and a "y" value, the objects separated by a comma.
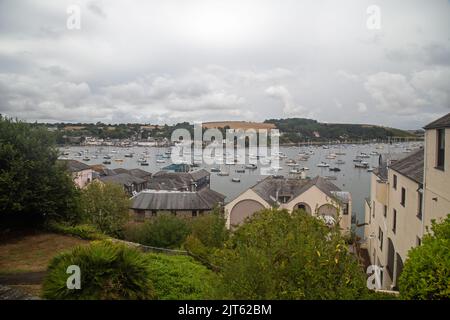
[
  {"x": 208, "y": 235},
  {"x": 278, "y": 255},
  {"x": 108, "y": 271},
  {"x": 105, "y": 206},
  {"x": 82, "y": 231},
  {"x": 210, "y": 229},
  {"x": 164, "y": 231},
  {"x": 33, "y": 187},
  {"x": 180, "y": 277},
  {"x": 426, "y": 273}
]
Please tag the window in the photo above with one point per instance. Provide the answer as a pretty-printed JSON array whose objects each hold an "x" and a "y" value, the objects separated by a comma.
[
  {"x": 394, "y": 221},
  {"x": 345, "y": 209},
  {"x": 418, "y": 241},
  {"x": 194, "y": 213},
  {"x": 154, "y": 213},
  {"x": 385, "y": 211},
  {"x": 403, "y": 201},
  {"x": 380, "y": 238},
  {"x": 395, "y": 182},
  {"x": 373, "y": 208},
  {"x": 419, "y": 204},
  {"x": 440, "y": 149}
]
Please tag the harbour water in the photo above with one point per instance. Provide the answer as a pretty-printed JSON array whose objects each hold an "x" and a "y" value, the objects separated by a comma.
[{"x": 349, "y": 178}]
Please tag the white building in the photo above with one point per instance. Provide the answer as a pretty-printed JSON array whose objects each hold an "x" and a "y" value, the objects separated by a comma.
[
  {"x": 405, "y": 196},
  {"x": 317, "y": 197}
]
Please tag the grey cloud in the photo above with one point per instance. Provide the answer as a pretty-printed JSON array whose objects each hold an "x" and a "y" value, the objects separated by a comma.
[{"x": 205, "y": 60}]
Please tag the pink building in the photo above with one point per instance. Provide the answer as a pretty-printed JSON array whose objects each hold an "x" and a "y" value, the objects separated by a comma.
[{"x": 81, "y": 173}]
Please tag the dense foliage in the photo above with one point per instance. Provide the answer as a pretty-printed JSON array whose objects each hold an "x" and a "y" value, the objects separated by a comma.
[
  {"x": 293, "y": 129},
  {"x": 164, "y": 231},
  {"x": 105, "y": 206},
  {"x": 83, "y": 231},
  {"x": 426, "y": 273},
  {"x": 33, "y": 187},
  {"x": 208, "y": 235},
  {"x": 299, "y": 130},
  {"x": 180, "y": 277},
  {"x": 277, "y": 255},
  {"x": 108, "y": 271}
]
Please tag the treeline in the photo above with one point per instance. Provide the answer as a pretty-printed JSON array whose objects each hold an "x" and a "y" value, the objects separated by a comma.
[{"x": 296, "y": 130}]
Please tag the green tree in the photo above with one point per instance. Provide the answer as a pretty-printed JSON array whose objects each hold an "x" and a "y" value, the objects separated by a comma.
[
  {"x": 33, "y": 187},
  {"x": 208, "y": 235},
  {"x": 105, "y": 206},
  {"x": 426, "y": 273},
  {"x": 278, "y": 255},
  {"x": 164, "y": 231}
]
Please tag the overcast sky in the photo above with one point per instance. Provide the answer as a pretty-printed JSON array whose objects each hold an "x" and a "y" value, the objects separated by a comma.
[{"x": 203, "y": 60}]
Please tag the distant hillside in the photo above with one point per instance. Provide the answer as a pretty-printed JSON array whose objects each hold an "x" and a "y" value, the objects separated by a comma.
[
  {"x": 299, "y": 129},
  {"x": 238, "y": 125}
]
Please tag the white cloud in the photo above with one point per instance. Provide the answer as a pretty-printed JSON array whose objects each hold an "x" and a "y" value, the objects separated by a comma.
[
  {"x": 290, "y": 109},
  {"x": 424, "y": 91},
  {"x": 362, "y": 107}
]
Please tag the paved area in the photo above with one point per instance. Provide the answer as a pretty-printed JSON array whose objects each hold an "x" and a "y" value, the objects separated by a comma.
[{"x": 8, "y": 293}]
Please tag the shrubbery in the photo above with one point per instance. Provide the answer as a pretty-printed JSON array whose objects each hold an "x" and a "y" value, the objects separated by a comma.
[
  {"x": 278, "y": 255},
  {"x": 208, "y": 235},
  {"x": 105, "y": 206},
  {"x": 426, "y": 273},
  {"x": 108, "y": 271},
  {"x": 180, "y": 277},
  {"x": 164, "y": 231},
  {"x": 83, "y": 231}
]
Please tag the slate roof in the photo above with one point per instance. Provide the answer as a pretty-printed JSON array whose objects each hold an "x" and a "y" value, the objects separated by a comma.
[
  {"x": 205, "y": 199},
  {"x": 443, "y": 122},
  {"x": 139, "y": 173},
  {"x": 411, "y": 166},
  {"x": 74, "y": 165},
  {"x": 122, "y": 178},
  {"x": 164, "y": 180},
  {"x": 271, "y": 186}
]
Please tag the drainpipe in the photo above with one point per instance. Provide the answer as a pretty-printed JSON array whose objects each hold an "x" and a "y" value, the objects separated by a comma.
[{"x": 424, "y": 182}]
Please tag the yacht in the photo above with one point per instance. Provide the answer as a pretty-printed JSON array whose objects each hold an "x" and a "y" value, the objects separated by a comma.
[{"x": 323, "y": 165}]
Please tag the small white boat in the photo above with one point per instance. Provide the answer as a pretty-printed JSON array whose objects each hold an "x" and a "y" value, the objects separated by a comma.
[
  {"x": 160, "y": 161},
  {"x": 236, "y": 179},
  {"x": 251, "y": 166},
  {"x": 223, "y": 173},
  {"x": 323, "y": 165}
]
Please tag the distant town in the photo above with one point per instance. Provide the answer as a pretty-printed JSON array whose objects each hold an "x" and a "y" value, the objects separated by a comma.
[{"x": 293, "y": 131}]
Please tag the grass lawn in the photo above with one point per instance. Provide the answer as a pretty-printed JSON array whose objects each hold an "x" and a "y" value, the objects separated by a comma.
[{"x": 32, "y": 251}]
